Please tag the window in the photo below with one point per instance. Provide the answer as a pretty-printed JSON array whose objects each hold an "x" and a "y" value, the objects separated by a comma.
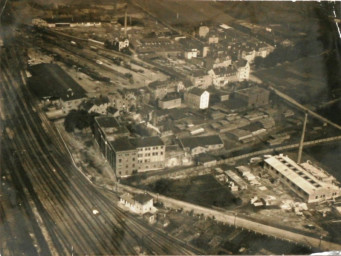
[
  {"x": 120, "y": 160},
  {"x": 161, "y": 153},
  {"x": 133, "y": 158}
]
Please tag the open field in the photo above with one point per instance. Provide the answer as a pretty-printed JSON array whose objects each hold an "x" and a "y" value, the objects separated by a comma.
[{"x": 203, "y": 190}]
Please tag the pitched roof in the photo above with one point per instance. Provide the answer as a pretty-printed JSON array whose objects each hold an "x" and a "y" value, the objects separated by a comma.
[
  {"x": 50, "y": 80},
  {"x": 193, "y": 142},
  {"x": 107, "y": 121},
  {"x": 142, "y": 198},
  {"x": 197, "y": 91}
]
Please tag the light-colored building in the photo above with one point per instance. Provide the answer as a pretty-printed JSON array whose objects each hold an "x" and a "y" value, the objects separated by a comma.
[
  {"x": 139, "y": 203},
  {"x": 201, "y": 79},
  {"x": 202, "y": 144},
  {"x": 243, "y": 70},
  {"x": 203, "y": 31},
  {"x": 191, "y": 53},
  {"x": 300, "y": 179},
  {"x": 213, "y": 39},
  {"x": 197, "y": 98},
  {"x": 151, "y": 152}
]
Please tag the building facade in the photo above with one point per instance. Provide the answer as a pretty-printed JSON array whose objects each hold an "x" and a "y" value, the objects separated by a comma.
[
  {"x": 170, "y": 101},
  {"x": 151, "y": 153},
  {"x": 139, "y": 203},
  {"x": 253, "y": 96},
  {"x": 197, "y": 98}
]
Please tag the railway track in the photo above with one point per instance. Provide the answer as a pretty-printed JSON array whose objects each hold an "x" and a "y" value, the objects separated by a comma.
[{"x": 63, "y": 197}]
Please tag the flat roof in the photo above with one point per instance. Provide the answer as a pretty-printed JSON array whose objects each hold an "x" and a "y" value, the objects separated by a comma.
[
  {"x": 50, "y": 80},
  {"x": 122, "y": 144},
  {"x": 148, "y": 142}
]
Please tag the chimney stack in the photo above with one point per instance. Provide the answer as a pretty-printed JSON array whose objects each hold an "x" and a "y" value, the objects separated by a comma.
[
  {"x": 125, "y": 21},
  {"x": 302, "y": 139}
]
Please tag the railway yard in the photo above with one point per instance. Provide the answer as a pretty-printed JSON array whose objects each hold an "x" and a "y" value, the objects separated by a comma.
[{"x": 165, "y": 131}]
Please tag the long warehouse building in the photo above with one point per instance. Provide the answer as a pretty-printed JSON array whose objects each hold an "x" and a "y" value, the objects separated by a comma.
[{"x": 301, "y": 179}]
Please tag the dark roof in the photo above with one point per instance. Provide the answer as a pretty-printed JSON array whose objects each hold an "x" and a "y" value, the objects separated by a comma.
[
  {"x": 142, "y": 198},
  {"x": 122, "y": 144},
  {"x": 240, "y": 63},
  {"x": 49, "y": 80},
  {"x": 148, "y": 141},
  {"x": 252, "y": 91},
  {"x": 197, "y": 91},
  {"x": 157, "y": 84},
  {"x": 193, "y": 142},
  {"x": 107, "y": 121},
  {"x": 171, "y": 96}
]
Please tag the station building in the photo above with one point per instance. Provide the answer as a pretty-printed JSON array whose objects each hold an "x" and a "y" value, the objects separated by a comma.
[{"x": 300, "y": 179}]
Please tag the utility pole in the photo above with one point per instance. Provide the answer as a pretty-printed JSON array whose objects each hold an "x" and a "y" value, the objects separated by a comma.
[
  {"x": 125, "y": 20},
  {"x": 302, "y": 139}
]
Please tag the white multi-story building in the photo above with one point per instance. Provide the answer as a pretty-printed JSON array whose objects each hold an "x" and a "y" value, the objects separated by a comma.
[{"x": 302, "y": 179}]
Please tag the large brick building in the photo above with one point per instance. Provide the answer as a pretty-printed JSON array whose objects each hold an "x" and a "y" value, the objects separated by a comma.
[{"x": 127, "y": 155}]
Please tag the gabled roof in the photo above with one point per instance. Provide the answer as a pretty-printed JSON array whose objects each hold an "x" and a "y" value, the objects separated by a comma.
[
  {"x": 197, "y": 91},
  {"x": 142, "y": 198}
]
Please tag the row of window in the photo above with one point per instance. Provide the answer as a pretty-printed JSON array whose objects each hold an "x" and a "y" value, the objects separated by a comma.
[
  {"x": 149, "y": 148},
  {"x": 149, "y": 154}
]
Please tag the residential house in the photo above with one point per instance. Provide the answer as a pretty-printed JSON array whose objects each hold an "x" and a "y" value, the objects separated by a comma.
[
  {"x": 138, "y": 203},
  {"x": 243, "y": 70}
]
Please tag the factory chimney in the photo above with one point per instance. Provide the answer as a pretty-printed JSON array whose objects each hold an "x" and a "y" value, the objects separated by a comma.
[
  {"x": 125, "y": 21},
  {"x": 302, "y": 139}
]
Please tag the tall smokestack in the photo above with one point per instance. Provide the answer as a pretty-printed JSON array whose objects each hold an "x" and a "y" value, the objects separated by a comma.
[
  {"x": 125, "y": 21},
  {"x": 302, "y": 139}
]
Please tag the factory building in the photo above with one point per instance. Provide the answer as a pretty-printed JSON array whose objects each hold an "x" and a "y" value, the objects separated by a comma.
[
  {"x": 308, "y": 182},
  {"x": 127, "y": 155}
]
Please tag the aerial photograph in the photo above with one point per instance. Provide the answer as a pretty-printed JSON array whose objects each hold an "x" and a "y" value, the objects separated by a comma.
[{"x": 170, "y": 127}]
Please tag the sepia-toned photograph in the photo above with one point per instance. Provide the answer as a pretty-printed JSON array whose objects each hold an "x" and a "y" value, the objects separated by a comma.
[{"x": 170, "y": 127}]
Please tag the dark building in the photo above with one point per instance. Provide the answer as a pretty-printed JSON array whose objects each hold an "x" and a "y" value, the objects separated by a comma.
[
  {"x": 50, "y": 81},
  {"x": 253, "y": 96}
]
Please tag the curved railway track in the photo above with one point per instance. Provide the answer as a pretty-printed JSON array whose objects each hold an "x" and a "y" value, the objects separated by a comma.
[{"x": 63, "y": 197}]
